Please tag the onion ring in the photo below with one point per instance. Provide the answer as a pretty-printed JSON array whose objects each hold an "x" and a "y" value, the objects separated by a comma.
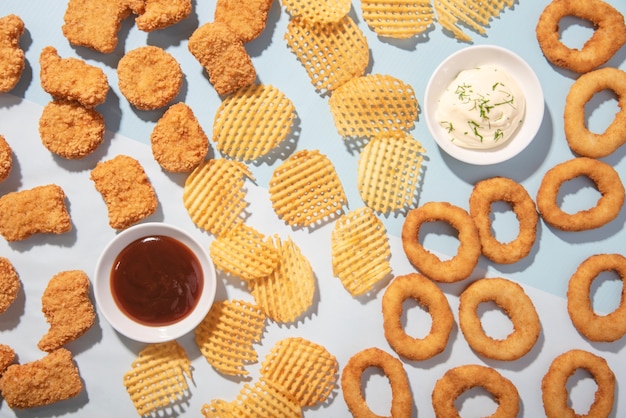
[
  {"x": 401, "y": 397},
  {"x": 600, "y": 328},
  {"x": 608, "y": 37},
  {"x": 459, "y": 379},
  {"x": 607, "y": 181},
  {"x": 425, "y": 292},
  {"x": 458, "y": 267},
  {"x": 554, "y": 389},
  {"x": 580, "y": 139},
  {"x": 515, "y": 303},
  {"x": 486, "y": 192}
]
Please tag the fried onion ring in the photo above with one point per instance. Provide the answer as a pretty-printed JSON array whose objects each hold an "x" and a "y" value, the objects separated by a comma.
[
  {"x": 458, "y": 267},
  {"x": 503, "y": 189},
  {"x": 554, "y": 389},
  {"x": 462, "y": 378},
  {"x": 601, "y": 328},
  {"x": 607, "y": 208},
  {"x": 580, "y": 139},
  {"x": 425, "y": 292},
  {"x": 515, "y": 303},
  {"x": 401, "y": 397},
  {"x": 608, "y": 37}
]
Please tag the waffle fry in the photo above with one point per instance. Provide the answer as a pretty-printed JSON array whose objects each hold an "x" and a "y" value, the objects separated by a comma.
[
  {"x": 399, "y": 19},
  {"x": 9, "y": 284},
  {"x": 255, "y": 400},
  {"x": 252, "y": 121},
  {"x": 323, "y": 11},
  {"x": 475, "y": 15},
  {"x": 219, "y": 408},
  {"x": 360, "y": 251}
]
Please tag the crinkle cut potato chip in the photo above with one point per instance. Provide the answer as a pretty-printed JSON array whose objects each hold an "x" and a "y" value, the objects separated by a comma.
[
  {"x": 288, "y": 292},
  {"x": 306, "y": 189},
  {"x": 252, "y": 122},
  {"x": 226, "y": 335},
  {"x": 157, "y": 377},
  {"x": 389, "y": 172},
  {"x": 360, "y": 251},
  {"x": 373, "y": 104},
  {"x": 475, "y": 15},
  {"x": 263, "y": 396},
  {"x": 399, "y": 19},
  {"x": 214, "y": 196},
  {"x": 331, "y": 53},
  {"x": 321, "y": 11}
]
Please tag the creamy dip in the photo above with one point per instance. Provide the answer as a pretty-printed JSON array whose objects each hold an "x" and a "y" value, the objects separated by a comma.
[{"x": 482, "y": 108}]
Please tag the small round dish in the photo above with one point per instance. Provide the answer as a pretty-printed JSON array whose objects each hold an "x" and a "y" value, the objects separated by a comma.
[
  {"x": 472, "y": 57},
  {"x": 126, "y": 325}
]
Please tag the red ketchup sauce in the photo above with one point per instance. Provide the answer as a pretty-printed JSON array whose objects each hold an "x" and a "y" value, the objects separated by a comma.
[{"x": 156, "y": 280}]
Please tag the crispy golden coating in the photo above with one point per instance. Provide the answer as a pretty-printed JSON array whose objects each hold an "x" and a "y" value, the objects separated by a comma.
[
  {"x": 11, "y": 55},
  {"x": 179, "y": 143},
  {"x": 159, "y": 14},
  {"x": 9, "y": 284},
  {"x": 50, "y": 379},
  {"x": 126, "y": 190},
  {"x": 67, "y": 308},
  {"x": 247, "y": 18},
  {"x": 7, "y": 357},
  {"x": 72, "y": 79},
  {"x": 6, "y": 159},
  {"x": 222, "y": 54},
  {"x": 70, "y": 130},
  {"x": 38, "y": 210}
]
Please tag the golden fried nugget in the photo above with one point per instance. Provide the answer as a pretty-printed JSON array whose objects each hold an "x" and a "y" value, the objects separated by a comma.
[
  {"x": 159, "y": 14},
  {"x": 149, "y": 77},
  {"x": 72, "y": 79},
  {"x": 126, "y": 190},
  {"x": 11, "y": 55},
  {"x": 247, "y": 18},
  {"x": 70, "y": 130},
  {"x": 50, "y": 379},
  {"x": 40, "y": 210},
  {"x": 7, "y": 357},
  {"x": 67, "y": 308},
  {"x": 6, "y": 159},
  {"x": 9, "y": 284},
  {"x": 222, "y": 54},
  {"x": 179, "y": 143}
]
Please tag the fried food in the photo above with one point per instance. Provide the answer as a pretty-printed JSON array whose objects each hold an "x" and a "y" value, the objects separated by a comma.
[
  {"x": 401, "y": 397},
  {"x": 178, "y": 142},
  {"x": 460, "y": 379},
  {"x": 12, "y": 60},
  {"x": 256, "y": 399},
  {"x": 67, "y": 308},
  {"x": 596, "y": 327},
  {"x": 160, "y": 14},
  {"x": 608, "y": 37},
  {"x": 6, "y": 159},
  {"x": 222, "y": 54},
  {"x": 126, "y": 190},
  {"x": 476, "y": 15},
  {"x": 9, "y": 284},
  {"x": 323, "y": 11},
  {"x": 607, "y": 181},
  {"x": 458, "y": 267},
  {"x": 51, "y": 379},
  {"x": 512, "y": 299},
  {"x": 554, "y": 384},
  {"x": 398, "y": 19},
  {"x": 579, "y": 138},
  {"x": 503, "y": 189},
  {"x": 71, "y": 130},
  {"x": 7, "y": 357},
  {"x": 427, "y": 294},
  {"x": 247, "y": 18},
  {"x": 40, "y": 210}
]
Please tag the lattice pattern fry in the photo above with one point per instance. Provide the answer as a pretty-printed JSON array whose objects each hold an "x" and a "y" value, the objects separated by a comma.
[
  {"x": 264, "y": 398},
  {"x": 321, "y": 11},
  {"x": 398, "y": 19},
  {"x": 474, "y": 14}
]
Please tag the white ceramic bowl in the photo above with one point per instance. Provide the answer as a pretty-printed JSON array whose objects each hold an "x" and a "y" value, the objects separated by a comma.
[
  {"x": 124, "y": 324},
  {"x": 472, "y": 57}
]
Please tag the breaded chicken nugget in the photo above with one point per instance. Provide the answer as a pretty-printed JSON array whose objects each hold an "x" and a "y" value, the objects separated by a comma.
[
  {"x": 247, "y": 18},
  {"x": 70, "y": 130},
  {"x": 6, "y": 159},
  {"x": 72, "y": 79},
  {"x": 7, "y": 357},
  {"x": 178, "y": 141},
  {"x": 68, "y": 309},
  {"x": 222, "y": 54},
  {"x": 11, "y": 55},
  {"x": 9, "y": 284},
  {"x": 159, "y": 14},
  {"x": 50, "y": 379},
  {"x": 40, "y": 210},
  {"x": 126, "y": 190}
]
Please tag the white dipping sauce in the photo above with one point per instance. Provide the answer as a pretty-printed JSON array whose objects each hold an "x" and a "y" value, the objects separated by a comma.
[{"x": 482, "y": 108}]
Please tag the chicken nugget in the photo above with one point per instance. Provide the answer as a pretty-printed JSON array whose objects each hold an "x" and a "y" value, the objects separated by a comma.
[
  {"x": 50, "y": 379},
  {"x": 159, "y": 14},
  {"x": 7, "y": 357},
  {"x": 247, "y": 18},
  {"x": 126, "y": 190},
  {"x": 9, "y": 284},
  {"x": 222, "y": 54},
  {"x": 72, "y": 79},
  {"x": 68, "y": 309},
  {"x": 6, "y": 159},
  {"x": 40, "y": 210},
  {"x": 70, "y": 130},
  {"x": 11, "y": 55}
]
